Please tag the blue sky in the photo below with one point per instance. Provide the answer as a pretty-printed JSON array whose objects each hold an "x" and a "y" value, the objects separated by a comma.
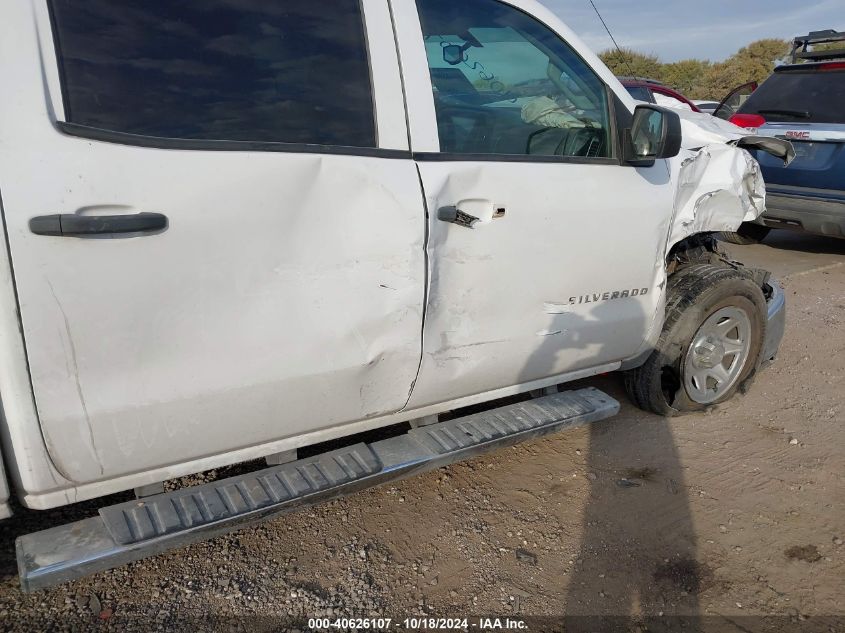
[{"x": 707, "y": 29}]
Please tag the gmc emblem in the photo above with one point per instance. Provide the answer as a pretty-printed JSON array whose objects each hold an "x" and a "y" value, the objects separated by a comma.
[{"x": 798, "y": 135}]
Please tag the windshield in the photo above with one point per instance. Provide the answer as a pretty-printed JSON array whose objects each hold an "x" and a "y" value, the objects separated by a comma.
[{"x": 812, "y": 96}]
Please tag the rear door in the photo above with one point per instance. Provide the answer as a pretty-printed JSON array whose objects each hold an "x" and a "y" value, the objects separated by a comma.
[
  {"x": 563, "y": 271},
  {"x": 735, "y": 99},
  {"x": 278, "y": 291}
]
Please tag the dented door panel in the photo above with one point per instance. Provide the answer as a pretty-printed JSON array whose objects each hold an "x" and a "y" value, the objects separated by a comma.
[
  {"x": 289, "y": 302},
  {"x": 545, "y": 288},
  {"x": 285, "y": 295}
]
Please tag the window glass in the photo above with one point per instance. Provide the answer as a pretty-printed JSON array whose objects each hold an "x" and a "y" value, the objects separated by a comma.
[
  {"x": 506, "y": 84},
  {"x": 640, "y": 93},
  {"x": 802, "y": 96},
  {"x": 285, "y": 71}
]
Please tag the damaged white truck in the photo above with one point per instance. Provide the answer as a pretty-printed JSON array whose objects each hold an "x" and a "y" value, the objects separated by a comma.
[{"x": 235, "y": 230}]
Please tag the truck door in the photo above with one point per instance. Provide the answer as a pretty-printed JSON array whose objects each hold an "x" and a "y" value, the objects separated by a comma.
[
  {"x": 545, "y": 251},
  {"x": 217, "y": 236}
]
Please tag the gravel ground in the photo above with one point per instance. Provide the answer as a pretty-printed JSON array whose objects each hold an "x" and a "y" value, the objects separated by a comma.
[{"x": 729, "y": 514}]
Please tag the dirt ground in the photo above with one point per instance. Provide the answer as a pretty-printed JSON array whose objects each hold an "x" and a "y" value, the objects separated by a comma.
[{"x": 703, "y": 523}]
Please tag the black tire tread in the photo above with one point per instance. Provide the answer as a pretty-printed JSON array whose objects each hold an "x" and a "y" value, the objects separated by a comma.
[{"x": 683, "y": 290}]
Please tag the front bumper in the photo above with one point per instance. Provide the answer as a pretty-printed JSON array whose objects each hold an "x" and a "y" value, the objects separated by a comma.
[{"x": 776, "y": 324}]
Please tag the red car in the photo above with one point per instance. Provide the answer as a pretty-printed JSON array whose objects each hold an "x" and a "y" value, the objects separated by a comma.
[{"x": 653, "y": 91}]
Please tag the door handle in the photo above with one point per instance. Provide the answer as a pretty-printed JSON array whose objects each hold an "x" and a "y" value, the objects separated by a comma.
[
  {"x": 72, "y": 225},
  {"x": 470, "y": 213}
]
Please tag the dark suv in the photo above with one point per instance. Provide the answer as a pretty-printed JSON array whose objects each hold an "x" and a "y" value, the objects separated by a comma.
[{"x": 804, "y": 103}]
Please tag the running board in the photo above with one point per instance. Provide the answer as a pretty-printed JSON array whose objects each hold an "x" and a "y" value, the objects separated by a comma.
[{"x": 143, "y": 527}]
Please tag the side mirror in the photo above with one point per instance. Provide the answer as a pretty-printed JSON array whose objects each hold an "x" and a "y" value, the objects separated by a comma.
[
  {"x": 655, "y": 133},
  {"x": 453, "y": 54}
]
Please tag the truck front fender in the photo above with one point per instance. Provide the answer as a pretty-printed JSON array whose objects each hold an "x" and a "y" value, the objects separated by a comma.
[{"x": 717, "y": 188}]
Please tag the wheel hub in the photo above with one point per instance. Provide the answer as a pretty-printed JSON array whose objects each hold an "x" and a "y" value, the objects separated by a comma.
[
  {"x": 717, "y": 355},
  {"x": 708, "y": 352}
]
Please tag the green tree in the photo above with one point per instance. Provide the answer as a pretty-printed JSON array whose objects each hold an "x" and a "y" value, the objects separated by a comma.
[
  {"x": 687, "y": 77},
  {"x": 628, "y": 62},
  {"x": 700, "y": 79},
  {"x": 754, "y": 62}
]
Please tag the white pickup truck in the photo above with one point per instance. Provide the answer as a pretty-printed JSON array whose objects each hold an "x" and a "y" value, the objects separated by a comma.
[{"x": 237, "y": 229}]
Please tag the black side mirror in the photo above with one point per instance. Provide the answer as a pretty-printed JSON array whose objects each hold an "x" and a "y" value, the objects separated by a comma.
[
  {"x": 655, "y": 133},
  {"x": 453, "y": 54}
]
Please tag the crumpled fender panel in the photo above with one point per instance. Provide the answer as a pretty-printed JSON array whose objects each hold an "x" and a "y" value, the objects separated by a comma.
[
  {"x": 719, "y": 188},
  {"x": 703, "y": 129},
  {"x": 719, "y": 184}
]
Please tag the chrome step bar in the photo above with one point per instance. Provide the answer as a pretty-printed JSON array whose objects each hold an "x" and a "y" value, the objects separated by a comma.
[{"x": 143, "y": 527}]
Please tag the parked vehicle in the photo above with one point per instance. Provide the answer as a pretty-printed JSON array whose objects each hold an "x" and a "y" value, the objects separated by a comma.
[
  {"x": 652, "y": 91},
  {"x": 236, "y": 230},
  {"x": 801, "y": 102},
  {"x": 706, "y": 106}
]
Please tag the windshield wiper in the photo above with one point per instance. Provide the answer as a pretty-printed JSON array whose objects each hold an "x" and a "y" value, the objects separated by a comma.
[{"x": 798, "y": 114}]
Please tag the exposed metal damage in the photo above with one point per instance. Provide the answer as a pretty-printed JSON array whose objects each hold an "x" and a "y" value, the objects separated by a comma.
[{"x": 719, "y": 184}]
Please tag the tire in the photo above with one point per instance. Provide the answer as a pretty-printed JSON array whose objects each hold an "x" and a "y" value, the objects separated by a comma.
[
  {"x": 700, "y": 298},
  {"x": 746, "y": 234}
]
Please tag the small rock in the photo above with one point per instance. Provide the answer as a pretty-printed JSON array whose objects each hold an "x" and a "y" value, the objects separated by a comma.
[
  {"x": 525, "y": 556},
  {"x": 592, "y": 476},
  {"x": 94, "y": 603},
  {"x": 627, "y": 483},
  {"x": 794, "y": 441},
  {"x": 837, "y": 540}
]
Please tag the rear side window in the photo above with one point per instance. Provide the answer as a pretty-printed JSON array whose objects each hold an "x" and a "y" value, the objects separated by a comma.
[
  {"x": 813, "y": 96},
  {"x": 286, "y": 71}
]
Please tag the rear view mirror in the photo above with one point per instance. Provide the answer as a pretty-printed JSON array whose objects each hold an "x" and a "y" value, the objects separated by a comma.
[
  {"x": 655, "y": 133},
  {"x": 453, "y": 54}
]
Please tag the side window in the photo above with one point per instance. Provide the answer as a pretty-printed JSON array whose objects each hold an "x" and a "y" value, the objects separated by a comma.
[
  {"x": 504, "y": 83},
  {"x": 286, "y": 71},
  {"x": 640, "y": 93}
]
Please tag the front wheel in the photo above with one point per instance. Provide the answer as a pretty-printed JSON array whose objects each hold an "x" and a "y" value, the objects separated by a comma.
[
  {"x": 746, "y": 234},
  {"x": 711, "y": 342}
]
